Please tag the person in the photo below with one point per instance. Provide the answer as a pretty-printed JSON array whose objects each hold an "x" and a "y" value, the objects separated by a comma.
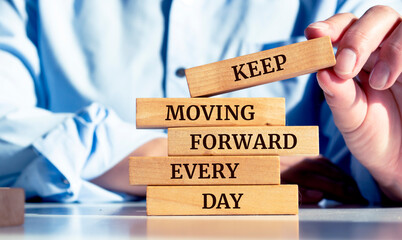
[{"x": 70, "y": 72}]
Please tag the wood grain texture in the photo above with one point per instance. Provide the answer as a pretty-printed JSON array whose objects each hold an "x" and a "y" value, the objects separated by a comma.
[
  {"x": 261, "y": 67},
  {"x": 205, "y": 170},
  {"x": 12, "y": 207},
  {"x": 237, "y": 200},
  {"x": 268, "y": 140},
  {"x": 187, "y": 112}
]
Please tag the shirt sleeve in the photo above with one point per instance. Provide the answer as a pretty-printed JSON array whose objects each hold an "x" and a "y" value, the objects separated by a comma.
[
  {"x": 52, "y": 155},
  {"x": 77, "y": 150}
]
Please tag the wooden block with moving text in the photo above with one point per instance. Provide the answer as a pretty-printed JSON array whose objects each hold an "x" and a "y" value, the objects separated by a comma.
[
  {"x": 261, "y": 67},
  {"x": 222, "y": 200},
  {"x": 12, "y": 206},
  {"x": 264, "y": 140},
  {"x": 205, "y": 170},
  {"x": 191, "y": 112}
]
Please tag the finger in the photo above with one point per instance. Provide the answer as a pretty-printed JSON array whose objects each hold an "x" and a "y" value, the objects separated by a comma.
[
  {"x": 347, "y": 192},
  {"x": 346, "y": 99},
  {"x": 317, "y": 174},
  {"x": 372, "y": 60},
  {"x": 341, "y": 188},
  {"x": 334, "y": 27},
  {"x": 322, "y": 167},
  {"x": 362, "y": 38},
  {"x": 351, "y": 195},
  {"x": 389, "y": 65},
  {"x": 308, "y": 196}
]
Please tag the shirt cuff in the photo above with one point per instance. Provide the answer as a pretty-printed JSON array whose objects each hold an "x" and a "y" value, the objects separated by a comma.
[{"x": 80, "y": 149}]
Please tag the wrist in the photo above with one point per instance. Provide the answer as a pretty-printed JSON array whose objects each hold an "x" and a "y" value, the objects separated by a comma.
[{"x": 390, "y": 183}]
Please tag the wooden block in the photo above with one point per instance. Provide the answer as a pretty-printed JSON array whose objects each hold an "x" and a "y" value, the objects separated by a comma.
[
  {"x": 268, "y": 140},
  {"x": 222, "y": 200},
  {"x": 188, "y": 112},
  {"x": 205, "y": 170},
  {"x": 259, "y": 68},
  {"x": 12, "y": 206}
]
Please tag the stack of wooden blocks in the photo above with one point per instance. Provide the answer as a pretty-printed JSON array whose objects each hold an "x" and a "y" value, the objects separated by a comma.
[{"x": 223, "y": 153}]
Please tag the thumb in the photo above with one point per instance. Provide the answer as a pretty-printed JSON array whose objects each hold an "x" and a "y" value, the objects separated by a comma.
[{"x": 346, "y": 99}]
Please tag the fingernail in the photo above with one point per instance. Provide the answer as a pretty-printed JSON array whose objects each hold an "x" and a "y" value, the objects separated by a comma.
[
  {"x": 318, "y": 25},
  {"x": 379, "y": 76},
  {"x": 345, "y": 62}
]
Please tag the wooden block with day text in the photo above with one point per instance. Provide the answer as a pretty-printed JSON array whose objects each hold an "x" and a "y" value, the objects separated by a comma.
[
  {"x": 261, "y": 67},
  {"x": 205, "y": 170},
  {"x": 264, "y": 140},
  {"x": 12, "y": 206},
  {"x": 191, "y": 112},
  {"x": 222, "y": 200}
]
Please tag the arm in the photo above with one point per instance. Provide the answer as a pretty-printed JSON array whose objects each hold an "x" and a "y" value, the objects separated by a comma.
[
  {"x": 116, "y": 179},
  {"x": 53, "y": 156}
]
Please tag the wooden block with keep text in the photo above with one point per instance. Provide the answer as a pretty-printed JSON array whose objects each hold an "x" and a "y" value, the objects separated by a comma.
[
  {"x": 261, "y": 67},
  {"x": 222, "y": 200},
  {"x": 12, "y": 206},
  {"x": 264, "y": 140},
  {"x": 204, "y": 170},
  {"x": 192, "y": 112}
]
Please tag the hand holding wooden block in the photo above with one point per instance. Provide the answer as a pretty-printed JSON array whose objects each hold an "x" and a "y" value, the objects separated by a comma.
[
  {"x": 259, "y": 68},
  {"x": 205, "y": 170},
  {"x": 12, "y": 206},
  {"x": 185, "y": 112}
]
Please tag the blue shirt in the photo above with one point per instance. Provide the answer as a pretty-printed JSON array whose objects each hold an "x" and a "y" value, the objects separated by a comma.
[{"x": 70, "y": 72}]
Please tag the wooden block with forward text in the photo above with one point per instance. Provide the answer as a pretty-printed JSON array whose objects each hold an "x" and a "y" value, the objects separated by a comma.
[
  {"x": 12, "y": 206},
  {"x": 264, "y": 140},
  {"x": 205, "y": 170},
  {"x": 261, "y": 67},
  {"x": 191, "y": 112},
  {"x": 222, "y": 200}
]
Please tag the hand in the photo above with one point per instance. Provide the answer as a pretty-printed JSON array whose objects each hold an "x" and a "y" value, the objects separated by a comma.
[
  {"x": 117, "y": 178},
  {"x": 319, "y": 178},
  {"x": 364, "y": 89}
]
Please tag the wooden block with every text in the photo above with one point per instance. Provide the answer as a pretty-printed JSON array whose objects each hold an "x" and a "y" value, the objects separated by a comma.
[
  {"x": 222, "y": 200},
  {"x": 205, "y": 170},
  {"x": 192, "y": 112},
  {"x": 12, "y": 207},
  {"x": 261, "y": 67},
  {"x": 264, "y": 140}
]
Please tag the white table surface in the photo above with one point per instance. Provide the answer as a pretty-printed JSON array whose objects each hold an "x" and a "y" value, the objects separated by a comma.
[{"x": 129, "y": 221}]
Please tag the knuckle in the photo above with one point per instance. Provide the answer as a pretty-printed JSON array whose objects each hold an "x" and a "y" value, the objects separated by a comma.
[
  {"x": 382, "y": 9},
  {"x": 394, "y": 49},
  {"x": 347, "y": 15},
  {"x": 357, "y": 39}
]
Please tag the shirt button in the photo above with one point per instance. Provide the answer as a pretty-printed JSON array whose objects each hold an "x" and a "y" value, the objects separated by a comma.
[{"x": 180, "y": 72}]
